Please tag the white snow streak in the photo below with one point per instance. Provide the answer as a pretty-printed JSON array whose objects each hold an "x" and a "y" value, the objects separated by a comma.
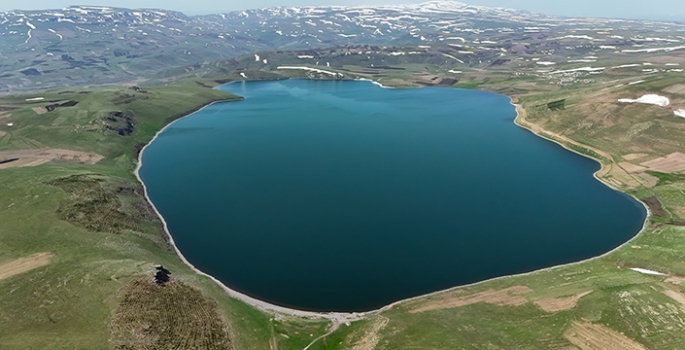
[
  {"x": 648, "y": 272},
  {"x": 311, "y": 70},
  {"x": 651, "y": 99},
  {"x": 666, "y": 49}
]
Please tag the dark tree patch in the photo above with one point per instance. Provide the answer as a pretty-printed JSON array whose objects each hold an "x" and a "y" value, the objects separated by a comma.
[
  {"x": 52, "y": 107},
  {"x": 4, "y": 161},
  {"x": 448, "y": 82},
  {"x": 30, "y": 71},
  {"x": 655, "y": 206},
  {"x": 557, "y": 105},
  {"x": 500, "y": 62},
  {"x": 120, "y": 122},
  {"x": 204, "y": 85}
]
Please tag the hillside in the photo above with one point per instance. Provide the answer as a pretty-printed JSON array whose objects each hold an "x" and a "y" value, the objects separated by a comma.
[
  {"x": 85, "y": 261},
  {"x": 43, "y": 49}
]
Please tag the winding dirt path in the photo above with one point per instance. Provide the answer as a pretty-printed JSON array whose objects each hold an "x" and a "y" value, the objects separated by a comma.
[
  {"x": 372, "y": 337},
  {"x": 334, "y": 328}
]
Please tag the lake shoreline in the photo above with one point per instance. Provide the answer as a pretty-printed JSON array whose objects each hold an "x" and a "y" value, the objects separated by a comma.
[
  {"x": 259, "y": 304},
  {"x": 520, "y": 122},
  {"x": 346, "y": 317}
]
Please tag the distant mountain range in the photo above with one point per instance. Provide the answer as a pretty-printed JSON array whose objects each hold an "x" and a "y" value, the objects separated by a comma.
[{"x": 96, "y": 45}]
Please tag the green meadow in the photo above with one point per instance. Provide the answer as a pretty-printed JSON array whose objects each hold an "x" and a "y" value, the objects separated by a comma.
[{"x": 103, "y": 239}]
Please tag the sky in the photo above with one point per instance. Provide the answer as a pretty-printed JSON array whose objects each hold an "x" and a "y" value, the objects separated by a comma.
[{"x": 655, "y": 9}]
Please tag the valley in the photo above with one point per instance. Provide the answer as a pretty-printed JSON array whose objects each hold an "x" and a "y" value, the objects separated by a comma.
[{"x": 79, "y": 242}]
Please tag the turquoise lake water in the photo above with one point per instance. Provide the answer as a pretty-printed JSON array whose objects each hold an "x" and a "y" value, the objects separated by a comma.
[{"x": 345, "y": 196}]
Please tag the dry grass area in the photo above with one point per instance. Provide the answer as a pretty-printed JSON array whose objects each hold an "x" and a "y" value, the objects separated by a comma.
[
  {"x": 537, "y": 129},
  {"x": 588, "y": 336},
  {"x": 647, "y": 180},
  {"x": 512, "y": 296},
  {"x": 675, "y": 280},
  {"x": 560, "y": 304},
  {"x": 39, "y": 110},
  {"x": 676, "y": 89},
  {"x": 634, "y": 156},
  {"x": 615, "y": 174},
  {"x": 370, "y": 339},
  {"x": 634, "y": 138},
  {"x": 102, "y": 203},
  {"x": 24, "y": 162},
  {"x": 24, "y": 264},
  {"x": 677, "y": 296},
  {"x": 174, "y": 316},
  {"x": 673, "y": 162},
  {"x": 33, "y": 157},
  {"x": 631, "y": 168}
]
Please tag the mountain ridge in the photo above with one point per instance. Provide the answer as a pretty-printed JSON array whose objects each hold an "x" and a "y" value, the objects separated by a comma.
[{"x": 85, "y": 45}]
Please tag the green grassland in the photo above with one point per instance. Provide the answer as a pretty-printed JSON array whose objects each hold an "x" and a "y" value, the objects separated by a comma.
[
  {"x": 96, "y": 222},
  {"x": 105, "y": 238}
]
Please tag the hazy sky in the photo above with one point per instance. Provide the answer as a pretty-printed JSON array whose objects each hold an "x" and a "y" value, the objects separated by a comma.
[{"x": 655, "y": 9}]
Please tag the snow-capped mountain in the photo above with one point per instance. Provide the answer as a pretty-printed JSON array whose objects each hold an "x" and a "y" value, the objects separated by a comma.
[{"x": 85, "y": 44}]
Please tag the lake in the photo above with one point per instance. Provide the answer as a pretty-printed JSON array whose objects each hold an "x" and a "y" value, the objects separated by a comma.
[{"x": 345, "y": 196}]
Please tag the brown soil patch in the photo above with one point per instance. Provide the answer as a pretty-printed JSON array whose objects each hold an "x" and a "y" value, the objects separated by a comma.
[
  {"x": 671, "y": 163},
  {"x": 654, "y": 206},
  {"x": 618, "y": 177},
  {"x": 174, "y": 316},
  {"x": 371, "y": 338},
  {"x": 33, "y": 157},
  {"x": 273, "y": 343},
  {"x": 588, "y": 336},
  {"x": 512, "y": 296},
  {"x": 676, "y": 89},
  {"x": 560, "y": 304},
  {"x": 675, "y": 280},
  {"x": 647, "y": 180},
  {"x": 679, "y": 211},
  {"x": 679, "y": 297},
  {"x": 24, "y": 264},
  {"x": 2, "y": 133},
  {"x": 631, "y": 168},
  {"x": 663, "y": 59},
  {"x": 634, "y": 156},
  {"x": 40, "y": 110},
  {"x": 24, "y": 162}
]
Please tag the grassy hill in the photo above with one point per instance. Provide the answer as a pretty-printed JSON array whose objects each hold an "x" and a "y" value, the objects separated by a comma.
[{"x": 97, "y": 238}]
